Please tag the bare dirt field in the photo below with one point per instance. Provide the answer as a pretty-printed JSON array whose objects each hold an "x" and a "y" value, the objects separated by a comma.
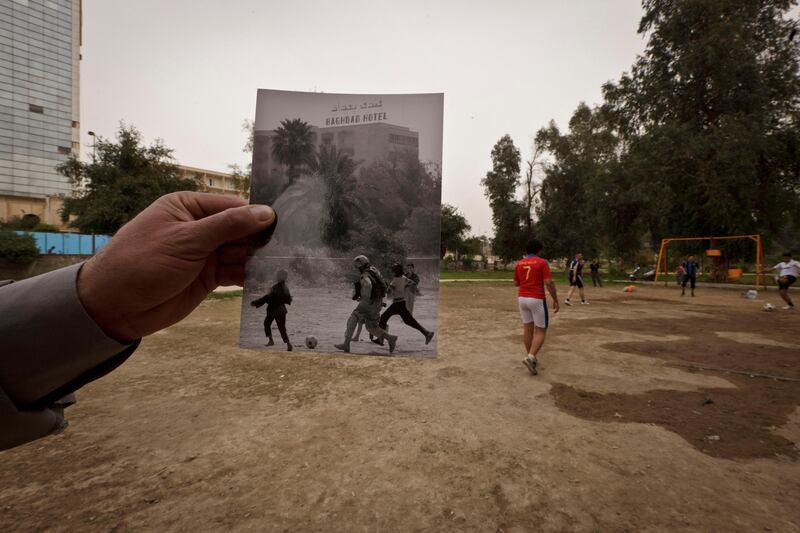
[{"x": 632, "y": 426}]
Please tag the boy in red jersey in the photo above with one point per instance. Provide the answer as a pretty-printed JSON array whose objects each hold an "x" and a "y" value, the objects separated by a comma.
[{"x": 531, "y": 275}]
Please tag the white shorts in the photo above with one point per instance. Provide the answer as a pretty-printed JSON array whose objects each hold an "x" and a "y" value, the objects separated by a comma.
[{"x": 533, "y": 310}]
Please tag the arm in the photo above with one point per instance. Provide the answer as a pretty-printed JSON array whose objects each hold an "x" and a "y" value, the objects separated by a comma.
[
  {"x": 516, "y": 275},
  {"x": 50, "y": 348},
  {"x": 261, "y": 301},
  {"x": 154, "y": 272},
  {"x": 551, "y": 288}
]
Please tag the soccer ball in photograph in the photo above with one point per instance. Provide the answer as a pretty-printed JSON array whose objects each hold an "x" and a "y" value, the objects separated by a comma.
[
  {"x": 311, "y": 342},
  {"x": 768, "y": 307}
]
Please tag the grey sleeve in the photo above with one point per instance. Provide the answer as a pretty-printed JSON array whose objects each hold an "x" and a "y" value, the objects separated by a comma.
[{"x": 49, "y": 348}]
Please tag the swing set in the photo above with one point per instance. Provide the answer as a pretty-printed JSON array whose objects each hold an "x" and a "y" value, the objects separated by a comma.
[{"x": 719, "y": 264}]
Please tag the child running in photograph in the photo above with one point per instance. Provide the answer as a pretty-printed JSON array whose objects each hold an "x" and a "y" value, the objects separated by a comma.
[
  {"x": 399, "y": 288},
  {"x": 276, "y": 299}
]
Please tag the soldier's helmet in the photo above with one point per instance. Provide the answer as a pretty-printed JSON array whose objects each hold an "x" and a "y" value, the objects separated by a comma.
[{"x": 361, "y": 261}]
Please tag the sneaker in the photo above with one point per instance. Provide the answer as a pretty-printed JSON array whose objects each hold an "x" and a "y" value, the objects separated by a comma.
[
  {"x": 567, "y": 302},
  {"x": 289, "y": 347},
  {"x": 532, "y": 365},
  {"x": 428, "y": 337},
  {"x": 584, "y": 302},
  {"x": 392, "y": 342},
  {"x": 270, "y": 343},
  {"x": 788, "y": 307},
  {"x": 343, "y": 347}
]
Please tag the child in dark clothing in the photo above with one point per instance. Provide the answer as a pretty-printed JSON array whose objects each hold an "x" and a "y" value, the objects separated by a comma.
[{"x": 276, "y": 299}]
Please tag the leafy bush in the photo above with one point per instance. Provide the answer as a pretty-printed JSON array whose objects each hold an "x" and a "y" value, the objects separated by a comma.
[
  {"x": 16, "y": 248},
  {"x": 45, "y": 228}
]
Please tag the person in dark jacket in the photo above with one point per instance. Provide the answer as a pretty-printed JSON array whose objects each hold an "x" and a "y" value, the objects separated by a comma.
[
  {"x": 276, "y": 299},
  {"x": 594, "y": 266}
]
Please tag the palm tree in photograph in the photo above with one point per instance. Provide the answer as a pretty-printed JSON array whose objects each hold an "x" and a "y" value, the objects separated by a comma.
[
  {"x": 292, "y": 146},
  {"x": 337, "y": 170}
]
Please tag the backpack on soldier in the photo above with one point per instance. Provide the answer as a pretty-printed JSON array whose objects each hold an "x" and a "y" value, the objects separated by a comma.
[{"x": 379, "y": 287}]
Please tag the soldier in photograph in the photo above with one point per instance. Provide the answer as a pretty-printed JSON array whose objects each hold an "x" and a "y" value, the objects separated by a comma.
[{"x": 372, "y": 289}]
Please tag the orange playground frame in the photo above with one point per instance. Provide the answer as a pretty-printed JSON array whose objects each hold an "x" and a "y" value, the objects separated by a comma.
[{"x": 662, "y": 252}]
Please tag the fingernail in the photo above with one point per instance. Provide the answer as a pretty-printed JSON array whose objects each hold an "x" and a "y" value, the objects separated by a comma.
[{"x": 262, "y": 213}]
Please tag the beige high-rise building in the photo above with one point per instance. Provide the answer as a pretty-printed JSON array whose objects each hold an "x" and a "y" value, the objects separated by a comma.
[{"x": 39, "y": 104}]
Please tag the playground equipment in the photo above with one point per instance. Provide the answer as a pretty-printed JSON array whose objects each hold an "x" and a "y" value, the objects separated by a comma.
[{"x": 720, "y": 270}]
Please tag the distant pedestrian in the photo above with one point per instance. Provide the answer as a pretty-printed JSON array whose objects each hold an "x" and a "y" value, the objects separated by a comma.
[
  {"x": 576, "y": 279},
  {"x": 594, "y": 267},
  {"x": 276, "y": 299},
  {"x": 690, "y": 271}
]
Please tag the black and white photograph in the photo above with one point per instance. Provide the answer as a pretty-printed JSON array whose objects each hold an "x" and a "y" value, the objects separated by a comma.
[{"x": 352, "y": 266}]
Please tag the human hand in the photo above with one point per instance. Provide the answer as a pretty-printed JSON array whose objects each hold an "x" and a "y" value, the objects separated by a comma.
[
  {"x": 163, "y": 263},
  {"x": 555, "y": 306}
]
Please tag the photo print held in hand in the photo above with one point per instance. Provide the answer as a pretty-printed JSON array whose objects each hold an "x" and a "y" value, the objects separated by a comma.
[{"x": 353, "y": 265}]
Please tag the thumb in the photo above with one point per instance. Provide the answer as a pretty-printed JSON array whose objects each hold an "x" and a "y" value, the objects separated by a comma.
[{"x": 232, "y": 224}]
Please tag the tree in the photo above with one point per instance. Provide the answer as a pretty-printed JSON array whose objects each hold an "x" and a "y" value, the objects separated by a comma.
[
  {"x": 15, "y": 248},
  {"x": 500, "y": 186},
  {"x": 702, "y": 137},
  {"x": 242, "y": 177},
  {"x": 336, "y": 169},
  {"x": 710, "y": 118},
  {"x": 576, "y": 193},
  {"x": 122, "y": 179},
  {"x": 472, "y": 246},
  {"x": 292, "y": 146},
  {"x": 530, "y": 187},
  {"x": 241, "y": 180},
  {"x": 454, "y": 230}
]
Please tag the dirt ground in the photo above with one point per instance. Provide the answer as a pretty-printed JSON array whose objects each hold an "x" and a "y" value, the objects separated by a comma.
[{"x": 622, "y": 431}]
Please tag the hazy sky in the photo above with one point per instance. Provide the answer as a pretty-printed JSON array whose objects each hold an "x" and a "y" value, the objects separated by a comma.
[{"x": 187, "y": 71}]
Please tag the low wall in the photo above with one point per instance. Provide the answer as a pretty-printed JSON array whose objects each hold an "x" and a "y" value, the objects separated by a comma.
[{"x": 45, "y": 263}]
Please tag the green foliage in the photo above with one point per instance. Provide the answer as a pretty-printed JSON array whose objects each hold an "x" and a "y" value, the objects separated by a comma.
[
  {"x": 45, "y": 228},
  {"x": 702, "y": 137},
  {"x": 241, "y": 180},
  {"x": 123, "y": 178},
  {"x": 508, "y": 214},
  {"x": 24, "y": 223},
  {"x": 472, "y": 246},
  {"x": 226, "y": 295},
  {"x": 16, "y": 248},
  {"x": 574, "y": 200},
  {"x": 454, "y": 230}
]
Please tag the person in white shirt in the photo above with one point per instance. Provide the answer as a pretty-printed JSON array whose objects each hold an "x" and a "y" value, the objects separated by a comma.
[{"x": 788, "y": 272}]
